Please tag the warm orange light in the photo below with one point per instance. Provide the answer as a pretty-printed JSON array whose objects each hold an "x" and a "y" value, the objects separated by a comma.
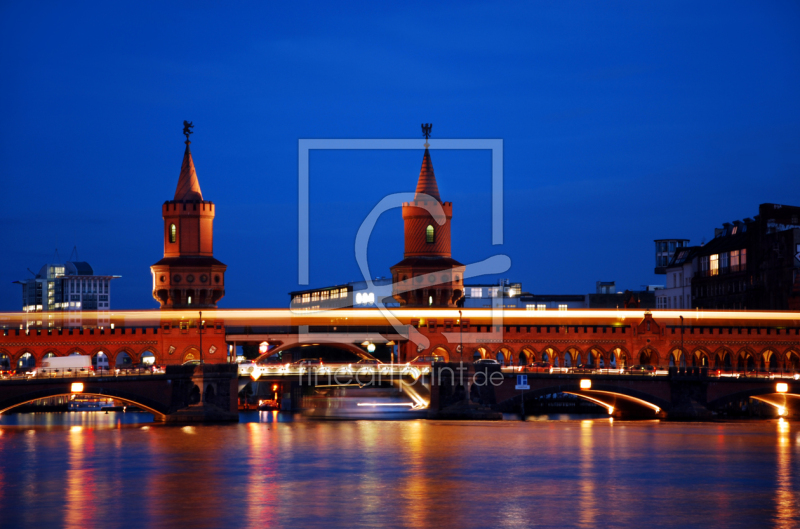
[
  {"x": 274, "y": 387},
  {"x": 586, "y": 383},
  {"x": 77, "y": 387},
  {"x": 263, "y": 347},
  {"x": 781, "y": 387}
]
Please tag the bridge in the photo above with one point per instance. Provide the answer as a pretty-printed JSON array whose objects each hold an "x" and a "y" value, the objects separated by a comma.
[
  {"x": 690, "y": 393},
  {"x": 598, "y": 341},
  {"x": 687, "y": 393},
  {"x": 192, "y": 393}
]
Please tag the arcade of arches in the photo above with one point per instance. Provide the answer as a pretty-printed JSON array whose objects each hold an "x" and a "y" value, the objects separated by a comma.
[
  {"x": 646, "y": 341},
  {"x": 618, "y": 358}
]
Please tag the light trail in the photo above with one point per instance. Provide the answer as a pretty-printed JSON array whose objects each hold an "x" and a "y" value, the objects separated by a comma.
[{"x": 341, "y": 316}]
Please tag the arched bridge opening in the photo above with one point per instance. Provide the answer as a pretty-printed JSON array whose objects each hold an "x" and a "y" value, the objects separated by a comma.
[
  {"x": 621, "y": 402},
  {"x": 782, "y": 396},
  {"x": 158, "y": 410}
]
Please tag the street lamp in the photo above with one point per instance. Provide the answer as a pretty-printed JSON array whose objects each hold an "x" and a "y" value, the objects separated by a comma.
[
  {"x": 682, "y": 353},
  {"x": 460, "y": 338},
  {"x": 200, "y": 332}
]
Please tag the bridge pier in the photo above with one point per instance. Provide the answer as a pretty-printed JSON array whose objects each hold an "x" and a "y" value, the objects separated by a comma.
[{"x": 210, "y": 395}]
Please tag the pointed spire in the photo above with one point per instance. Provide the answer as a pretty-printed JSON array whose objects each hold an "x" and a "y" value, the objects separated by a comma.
[
  {"x": 188, "y": 186},
  {"x": 427, "y": 180}
]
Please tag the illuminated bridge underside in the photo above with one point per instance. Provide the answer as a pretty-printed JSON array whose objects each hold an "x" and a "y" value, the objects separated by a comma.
[
  {"x": 619, "y": 403},
  {"x": 783, "y": 402}
]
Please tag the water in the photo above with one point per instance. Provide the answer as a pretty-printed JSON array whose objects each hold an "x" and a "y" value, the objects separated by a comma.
[{"x": 117, "y": 470}]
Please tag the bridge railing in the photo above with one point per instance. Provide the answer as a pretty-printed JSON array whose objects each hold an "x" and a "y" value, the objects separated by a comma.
[{"x": 49, "y": 373}]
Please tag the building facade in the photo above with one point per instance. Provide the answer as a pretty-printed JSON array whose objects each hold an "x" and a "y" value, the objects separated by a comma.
[
  {"x": 70, "y": 287},
  {"x": 751, "y": 264},
  {"x": 680, "y": 272},
  {"x": 356, "y": 294},
  {"x": 665, "y": 249},
  {"x": 501, "y": 294},
  {"x": 188, "y": 277}
]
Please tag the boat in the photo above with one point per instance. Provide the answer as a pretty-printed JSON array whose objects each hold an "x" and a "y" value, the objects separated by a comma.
[{"x": 361, "y": 403}]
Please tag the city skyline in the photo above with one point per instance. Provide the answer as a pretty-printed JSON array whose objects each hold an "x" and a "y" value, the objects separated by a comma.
[{"x": 598, "y": 135}]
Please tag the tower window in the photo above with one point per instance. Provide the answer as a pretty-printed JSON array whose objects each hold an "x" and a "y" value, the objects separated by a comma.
[
  {"x": 429, "y": 235},
  {"x": 173, "y": 233}
]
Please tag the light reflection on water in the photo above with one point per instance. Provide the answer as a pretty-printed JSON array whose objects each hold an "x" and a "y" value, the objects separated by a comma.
[{"x": 120, "y": 470}]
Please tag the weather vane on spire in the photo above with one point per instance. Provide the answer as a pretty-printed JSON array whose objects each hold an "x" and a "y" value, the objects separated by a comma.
[
  {"x": 426, "y": 131},
  {"x": 186, "y": 126}
]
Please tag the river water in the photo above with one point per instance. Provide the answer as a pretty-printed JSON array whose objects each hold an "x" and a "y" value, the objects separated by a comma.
[{"x": 81, "y": 470}]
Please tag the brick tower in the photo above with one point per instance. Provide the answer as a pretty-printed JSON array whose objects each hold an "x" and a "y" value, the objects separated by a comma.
[
  {"x": 427, "y": 276},
  {"x": 188, "y": 277}
]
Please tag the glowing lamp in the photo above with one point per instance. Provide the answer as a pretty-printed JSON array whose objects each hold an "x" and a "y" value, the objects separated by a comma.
[
  {"x": 263, "y": 347},
  {"x": 586, "y": 383},
  {"x": 77, "y": 387},
  {"x": 256, "y": 373},
  {"x": 781, "y": 387},
  {"x": 371, "y": 348}
]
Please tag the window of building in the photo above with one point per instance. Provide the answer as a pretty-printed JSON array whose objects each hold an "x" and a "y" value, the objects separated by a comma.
[
  {"x": 743, "y": 259},
  {"x": 335, "y": 293},
  {"x": 343, "y": 292},
  {"x": 541, "y": 306},
  {"x": 173, "y": 233},
  {"x": 429, "y": 236},
  {"x": 713, "y": 264},
  {"x": 325, "y": 294},
  {"x": 476, "y": 292},
  {"x": 494, "y": 291},
  {"x": 562, "y": 306},
  {"x": 704, "y": 265},
  {"x": 307, "y": 297},
  {"x": 315, "y": 296},
  {"x": 723, "y": 257},
  {"x": 734, "y": 260}
]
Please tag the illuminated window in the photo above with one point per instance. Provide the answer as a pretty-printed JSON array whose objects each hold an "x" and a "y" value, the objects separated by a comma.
[
  {"x": 315, "y": 296},
  {"x": 343, "y": 292},
  {"x": 335, "y": 294},
  {"x": 429, "y": 236},
  {"x": 541, "y": 306},
  {"x": 735, "y": 261},
  {"x": 325, "y": 294},
  {"x": 173, "y": 233},
  {"x": 476, "y": 292},
  {"x": 494, "y": 291},
  {"x": 743, "y": 259},
  {"x": 562, "y": 307},
  {"x": 307, "y": 297},
  {"x": 713, "y": 262}
]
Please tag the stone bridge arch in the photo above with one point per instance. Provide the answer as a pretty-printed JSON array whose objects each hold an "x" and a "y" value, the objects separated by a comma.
[
  {"x": 550, "y": 354},
  {"x": 338, "y": 345}
]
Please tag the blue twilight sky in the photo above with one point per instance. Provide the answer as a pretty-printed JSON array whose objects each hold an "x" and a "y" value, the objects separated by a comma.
[{"x": 622, "y": 122}]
